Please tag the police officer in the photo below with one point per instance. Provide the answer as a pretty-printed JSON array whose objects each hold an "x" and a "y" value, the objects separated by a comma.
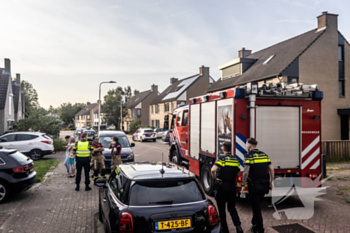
[
  {"x": 256, "y": 165},
  {"x": 82, "y": 150},
  {"x": 224, "y": 172},
  {"x": 97, "y": 159},
  {"x": 116, "y": 150}
]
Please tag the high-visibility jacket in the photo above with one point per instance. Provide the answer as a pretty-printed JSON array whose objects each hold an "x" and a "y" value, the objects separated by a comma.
[
  {"x": 228, "y": 169},
  {"x": 83, "y": 149},
  {"x": 258, "y": 162}
]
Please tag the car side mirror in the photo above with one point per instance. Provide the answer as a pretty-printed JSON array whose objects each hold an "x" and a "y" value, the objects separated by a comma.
[
  {"x": 101, "y": 182},
  {"x": 132, "y": 144}
]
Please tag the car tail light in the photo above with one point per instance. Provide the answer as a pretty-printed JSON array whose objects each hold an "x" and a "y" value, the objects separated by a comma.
[
  {"x": 239, "y": 178},
  {"x": 213, "y": 216},
  {"x": 47, "y": 142},
  {"x": 21, "y": 169},
  {"x": 126, "y": 223}
]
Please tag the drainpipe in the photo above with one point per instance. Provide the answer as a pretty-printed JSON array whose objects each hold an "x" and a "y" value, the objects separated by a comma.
[{"x": 252, "y": 98}]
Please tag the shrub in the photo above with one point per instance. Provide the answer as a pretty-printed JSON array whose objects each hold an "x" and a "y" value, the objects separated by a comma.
[
  {"x": 134, "y": 125},
  {"x": 149, "y": 126},
  {"x": 59, "y": 143},
  {"x": 71, "y": 127}
]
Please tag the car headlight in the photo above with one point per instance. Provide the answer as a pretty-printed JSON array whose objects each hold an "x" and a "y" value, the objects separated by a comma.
[{"x": 130, "y": 156}]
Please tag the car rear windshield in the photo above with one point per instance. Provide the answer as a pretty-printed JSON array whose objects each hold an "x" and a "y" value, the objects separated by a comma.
[
  {"x": 18, "y": 156},
  {"x": 90, "y": 133},
  {"x": 106, "y": 140},
  {"x": 45, "y": 136},
  {"x": 165, "y": 192},
  {"x": 148, "y": 131}
]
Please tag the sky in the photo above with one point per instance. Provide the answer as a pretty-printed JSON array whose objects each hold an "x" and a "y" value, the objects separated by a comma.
[{"x": 66, "y": 48}]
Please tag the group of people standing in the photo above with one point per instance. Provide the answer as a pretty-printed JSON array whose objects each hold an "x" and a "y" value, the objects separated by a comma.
[
  {"x": 89, "y": 155},
  {"x": 225, "y": 171}
]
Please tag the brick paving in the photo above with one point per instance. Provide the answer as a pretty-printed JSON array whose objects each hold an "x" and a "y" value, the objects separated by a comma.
[{"x": 55, "y": 206}]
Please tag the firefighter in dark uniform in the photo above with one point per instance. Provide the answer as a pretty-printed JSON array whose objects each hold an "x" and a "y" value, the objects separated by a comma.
[
  {"x": 256, "y": 166},
  {"x": 224, "y": 173},
  {"x": 82, "y": 150},
  {"x": 97, "y": 159}
]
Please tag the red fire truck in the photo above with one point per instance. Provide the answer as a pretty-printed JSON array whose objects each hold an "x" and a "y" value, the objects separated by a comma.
[{"x": 284, "y": 119}]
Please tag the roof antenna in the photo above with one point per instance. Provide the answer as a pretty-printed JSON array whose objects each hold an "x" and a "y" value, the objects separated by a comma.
[{"x": 162, "y": 170}]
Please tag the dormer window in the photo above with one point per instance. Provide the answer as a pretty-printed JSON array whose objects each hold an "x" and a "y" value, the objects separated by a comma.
[{"x": 269, "y": 59}]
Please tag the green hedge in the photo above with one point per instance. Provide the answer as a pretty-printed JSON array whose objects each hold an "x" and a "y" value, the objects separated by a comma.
[{"x": 59, "y": 143}]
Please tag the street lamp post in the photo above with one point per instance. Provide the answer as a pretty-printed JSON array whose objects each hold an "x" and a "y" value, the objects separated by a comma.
[{"x": 99, "y": 106}]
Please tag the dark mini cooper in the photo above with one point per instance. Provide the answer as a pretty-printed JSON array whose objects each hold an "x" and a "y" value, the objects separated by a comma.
[
  {"x": 149, "y": 197},
  {"x": 16, "y": 173}
]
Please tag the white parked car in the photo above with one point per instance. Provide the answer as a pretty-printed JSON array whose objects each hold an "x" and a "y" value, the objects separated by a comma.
[
  {"x": 144, "y": 134},
  {"x": 33, "y": 144},
  {"x": 160, "y": 132}
]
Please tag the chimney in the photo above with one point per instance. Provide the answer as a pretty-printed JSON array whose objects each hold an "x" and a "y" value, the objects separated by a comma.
[
  {"x": 327, "y": 20},
  {"x": 173, "y": 80},
  {"x": 18, "y": 79},
  {"x": 88, "y": 103},
  {"x": 136, "y": 92},
  {"x": 204, "y": 70},
  {"x": 244, "y": 53},
  {"x": 8, "y": 65},
  {"x": 154, "y": 88}
]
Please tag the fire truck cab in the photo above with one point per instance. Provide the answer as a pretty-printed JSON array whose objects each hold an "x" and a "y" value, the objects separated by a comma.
[{"x": 284, "y": 119}]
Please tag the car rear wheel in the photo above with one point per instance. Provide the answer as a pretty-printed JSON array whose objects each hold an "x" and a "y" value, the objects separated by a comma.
[
  {"x": 36, "y": 154},
  {"x": 133, "y": 138},
  {"x": 4, "y": 191},
  {"x": 207, "y": 180}
]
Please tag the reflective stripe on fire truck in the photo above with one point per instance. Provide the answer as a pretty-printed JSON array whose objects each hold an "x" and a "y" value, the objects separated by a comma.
[
  {"x": 306, "y": 160},
  {"x": 240, "y": 148}
]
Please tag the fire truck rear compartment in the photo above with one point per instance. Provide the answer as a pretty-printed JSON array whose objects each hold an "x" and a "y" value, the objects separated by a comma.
[{"x": 278, "y": 134}]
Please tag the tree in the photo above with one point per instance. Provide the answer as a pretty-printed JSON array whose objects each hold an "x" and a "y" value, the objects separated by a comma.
[
  {"x": 67, "y": 112},
  {"x": 31, "y": 99},
  {"x": 111, "y": 107},
  {"x": 39, "y": 120},
  {"x": 127, "y": 93}
]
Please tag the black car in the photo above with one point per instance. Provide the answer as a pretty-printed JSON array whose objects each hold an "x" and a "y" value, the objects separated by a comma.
[
  {"x": 166, "y": 136},
  {"x": 149, "y": 197},
  {"x": 16, "y": 173},
  {"x": 106, "y": 138}
]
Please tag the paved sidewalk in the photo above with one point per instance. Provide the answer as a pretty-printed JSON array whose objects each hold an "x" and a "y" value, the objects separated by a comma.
[{"x": 55, "y": 207}]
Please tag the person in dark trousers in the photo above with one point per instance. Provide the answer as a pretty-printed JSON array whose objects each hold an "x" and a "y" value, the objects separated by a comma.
[
  {"x": 224, "y": 173},
  {"x": 97, "y": 159},
  {"x": 82, "y": 150},
  {"x": 256, "y": 166},
  {"x": 116, "y": 150}
]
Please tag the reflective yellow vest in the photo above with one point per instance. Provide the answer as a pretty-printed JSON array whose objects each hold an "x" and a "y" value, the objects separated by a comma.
[{"x": 83, "y": 149}]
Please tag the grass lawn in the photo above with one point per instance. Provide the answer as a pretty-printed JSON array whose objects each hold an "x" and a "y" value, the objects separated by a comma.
[{"x": 42, "y": 167}]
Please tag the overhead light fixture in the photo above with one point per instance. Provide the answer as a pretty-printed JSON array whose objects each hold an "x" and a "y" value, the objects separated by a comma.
[
  {"x": 193, "y": 101},
  {"x": 206, "y": 98},
  {"x": 254, "y": 89},
  {"x": 223, "y": 95}
]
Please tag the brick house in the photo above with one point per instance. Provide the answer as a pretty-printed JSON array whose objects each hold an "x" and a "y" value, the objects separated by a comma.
[
  {"x": 320, "y": 56},
  {"x": 177, "y": 93},
  {"x": 138, "y": 106},
  {"x": 11, "y": 98},
  {"x": 85, "y": 117}
]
